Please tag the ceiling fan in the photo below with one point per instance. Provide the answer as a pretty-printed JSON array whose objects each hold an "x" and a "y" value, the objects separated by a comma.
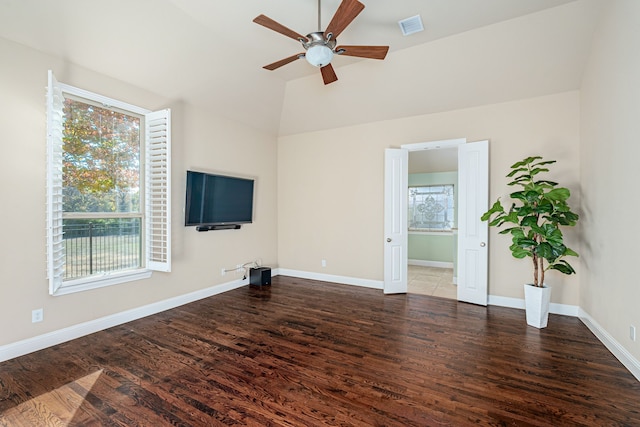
[{"x": 320, "y": 46}]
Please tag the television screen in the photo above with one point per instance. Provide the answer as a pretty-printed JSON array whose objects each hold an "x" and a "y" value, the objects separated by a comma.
[{"x": 218, "y": 199}]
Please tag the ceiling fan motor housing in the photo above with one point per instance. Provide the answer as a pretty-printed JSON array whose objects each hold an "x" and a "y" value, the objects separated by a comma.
[{"x": 320, "y": 50}]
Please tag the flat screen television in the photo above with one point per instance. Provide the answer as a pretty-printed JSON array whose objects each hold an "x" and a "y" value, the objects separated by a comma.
[{"x": 218, "y": 201}]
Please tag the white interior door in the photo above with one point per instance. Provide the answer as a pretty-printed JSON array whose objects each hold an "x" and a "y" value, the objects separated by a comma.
[
  {"x": 473, "y": 199},
  {"x": 395, "y": 220}
]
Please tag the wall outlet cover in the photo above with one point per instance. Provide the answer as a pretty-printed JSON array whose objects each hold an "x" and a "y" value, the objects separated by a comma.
[{"x": 37, "y": 315}]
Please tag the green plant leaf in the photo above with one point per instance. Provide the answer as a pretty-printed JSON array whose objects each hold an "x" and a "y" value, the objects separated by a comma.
[
  {"x": 536, "y": 229},
  {"x": 563, "y": 267},
  {"x": 519, "y": 180},
  {"x": 560, "y": 194},
  {"x": 525, "y": 162},
  {"x": 534, "y": 194},
  {"x": 556, "y": 242},
  {"x": 536, "y": 171},
  {"x": 546, "y": 162},
  {"x": 544, "y": 207},
  {"x": 515, "y": 171},
  {"x": 525, "y": 210},
  {"x": 524, "y": 242},
  {"x": 498, "y": 221},
  {"x": 496, "y": 208},
  {"x": 545, "y": 182},
  {"x": 518, "y": 252},
  {"x": 551, "y": 232},
  {"x": 517, "y": 232},
  {"x": 509, "y": 230},
  {"x": 518, "y": 195},
  {"x": 570, "y": 252},
  {"x": 550, "y": 252},
  {"x": 529, "y": 221},
  {"x": 571, "y": 218},
  {"x": 544, "y": 250},
  {"x": 512, "y": 217},
  {"x": 532, "y": 186}
]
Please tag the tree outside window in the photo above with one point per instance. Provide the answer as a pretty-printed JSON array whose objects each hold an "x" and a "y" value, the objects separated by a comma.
[{"x": 101, "y": 190}]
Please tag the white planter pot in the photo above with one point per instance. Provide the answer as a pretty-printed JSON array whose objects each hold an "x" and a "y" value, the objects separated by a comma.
[{"x": 536, "y": 301}]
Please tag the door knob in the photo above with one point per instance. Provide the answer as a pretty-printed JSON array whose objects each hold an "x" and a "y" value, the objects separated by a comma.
[
  {"x": 388, "y": 239},
  {"x": 483, "y": 244}
]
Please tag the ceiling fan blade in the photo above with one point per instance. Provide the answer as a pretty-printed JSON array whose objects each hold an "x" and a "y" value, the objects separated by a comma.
[
  {"x": 265, "y": 21},
  {"x": 282, "y": 62},
  {"x": 347, "y": 12},
  {"x": 372, "y": 52},
  {"x": 328, "y": 74}
]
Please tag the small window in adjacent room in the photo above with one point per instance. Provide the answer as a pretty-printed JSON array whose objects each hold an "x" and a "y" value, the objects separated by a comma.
[
  {"x": 107, "y": 190},
  {"x": 431, "y": 208}
]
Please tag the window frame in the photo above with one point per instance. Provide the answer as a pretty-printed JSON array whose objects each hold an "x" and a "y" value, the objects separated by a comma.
[{"x": 155, "y": 201}]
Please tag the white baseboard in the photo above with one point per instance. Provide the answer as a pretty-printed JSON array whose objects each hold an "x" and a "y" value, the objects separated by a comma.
[
  {"x": 345, "y": 280},
  {"x": 423, "y": 263},
  {"x": 40, "y": 342},
  {"x": 506, "y": 302},
  {"x": 564, "y": 309},
  {"x": 629, "y": 362}
]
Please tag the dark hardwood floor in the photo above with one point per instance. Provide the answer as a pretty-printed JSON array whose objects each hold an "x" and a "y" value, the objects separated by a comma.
[{"x": 308, "y": 353}]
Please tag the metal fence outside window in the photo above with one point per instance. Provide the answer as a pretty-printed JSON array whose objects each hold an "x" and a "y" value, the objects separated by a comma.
[{"x": 100, "y": 246}]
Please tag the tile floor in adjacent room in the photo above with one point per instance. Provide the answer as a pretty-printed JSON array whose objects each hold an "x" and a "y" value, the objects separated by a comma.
[{"x": 432, "y": 281}]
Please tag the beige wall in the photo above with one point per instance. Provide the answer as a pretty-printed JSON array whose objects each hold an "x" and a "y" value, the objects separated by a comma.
[
  {"x": 330, "y": 185},
  {"x": 200, "y": 140},
  {"x": 610, "y": 105}
]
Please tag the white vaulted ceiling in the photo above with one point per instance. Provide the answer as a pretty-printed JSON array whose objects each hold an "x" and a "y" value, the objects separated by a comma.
[{"x": 209, "y": 52}]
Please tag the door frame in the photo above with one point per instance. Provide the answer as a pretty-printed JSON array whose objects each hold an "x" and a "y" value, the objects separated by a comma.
[{"x": 434, "y": 145}]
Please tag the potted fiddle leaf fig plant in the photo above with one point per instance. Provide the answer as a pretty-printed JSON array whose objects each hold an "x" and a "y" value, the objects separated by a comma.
[{"x": 538, "y": 212}]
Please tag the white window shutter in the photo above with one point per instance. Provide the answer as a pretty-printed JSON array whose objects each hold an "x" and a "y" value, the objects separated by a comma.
[
  {"x": 158, "y": 189},
  {"x": 55, "y": 243}
]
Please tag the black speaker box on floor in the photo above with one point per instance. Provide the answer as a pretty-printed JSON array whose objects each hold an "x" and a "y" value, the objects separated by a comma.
[{"x": 260, "y": 276}]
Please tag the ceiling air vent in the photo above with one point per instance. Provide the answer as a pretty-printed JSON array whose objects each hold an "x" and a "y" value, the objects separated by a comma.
[{"x": 411, "y": 25}]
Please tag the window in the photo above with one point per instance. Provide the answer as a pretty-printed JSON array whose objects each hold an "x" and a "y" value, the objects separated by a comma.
[
  {"x": 431, "y": 208},
  {"x": 108, "y": 206}
]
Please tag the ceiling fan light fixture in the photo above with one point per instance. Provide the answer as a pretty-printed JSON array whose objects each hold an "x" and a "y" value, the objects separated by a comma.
[{"x": 319, "y": 55}]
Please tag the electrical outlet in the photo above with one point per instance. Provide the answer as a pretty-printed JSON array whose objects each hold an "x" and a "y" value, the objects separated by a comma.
[
  {"x": 238, "y": 268},
  {"x": 223, "y": 272},
  {"x": 632, "y": 332},
  {"x": 324, "y": 262},
  {"x": 37, "y": 315}
]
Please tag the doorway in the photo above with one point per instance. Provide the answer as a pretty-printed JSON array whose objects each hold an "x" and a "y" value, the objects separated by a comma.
[
  {"x": 432, "y": 222},
  {"x": 472, "y": 251}
]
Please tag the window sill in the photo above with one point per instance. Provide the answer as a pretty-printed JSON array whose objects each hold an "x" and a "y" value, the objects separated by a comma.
[{"x": 96, "y": 282}]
